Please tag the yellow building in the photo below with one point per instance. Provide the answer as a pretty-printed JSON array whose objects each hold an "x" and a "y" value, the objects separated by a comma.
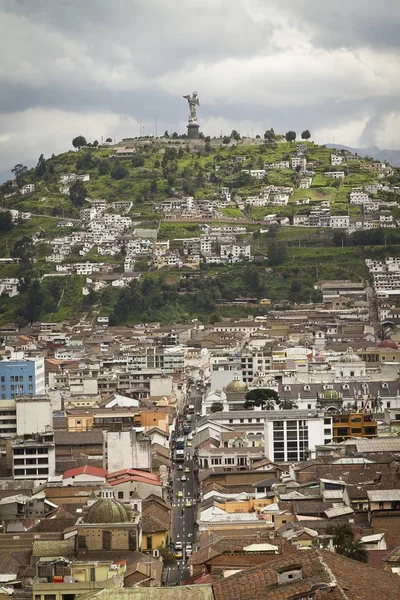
[
  {"x": 245, "y": 506},
  {"x": 353, "y": 425},
  {"x": 79, "y": 420},
  {"x": 149, "y": 419},
  {"x": 59, "y": 579},
  {"x": 156, "y": 519}
]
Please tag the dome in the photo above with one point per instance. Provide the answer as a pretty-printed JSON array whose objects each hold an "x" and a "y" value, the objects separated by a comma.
[
  {"x": 236, "y": 386},
  {"x": 349, "y": 357},
  {"x": 330, "y": 395},
  {"x": 107, "y": 510},
  {"x": 388, "y": 344}
]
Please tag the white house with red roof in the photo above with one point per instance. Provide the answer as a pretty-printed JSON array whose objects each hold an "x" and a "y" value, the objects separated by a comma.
[
  {"x": 129, "y": 483},
  {"x": 85, "y": 475}
]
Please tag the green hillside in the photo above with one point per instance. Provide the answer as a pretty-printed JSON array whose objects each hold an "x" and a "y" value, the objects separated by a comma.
[{"x": 288, "y": 260}]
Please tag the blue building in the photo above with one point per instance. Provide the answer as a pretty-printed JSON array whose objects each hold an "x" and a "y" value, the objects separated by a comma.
[{"x": 21, "y": 377}]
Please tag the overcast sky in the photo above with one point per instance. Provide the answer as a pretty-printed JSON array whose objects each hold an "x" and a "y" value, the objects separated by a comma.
[{"x": 100, "y": 67}]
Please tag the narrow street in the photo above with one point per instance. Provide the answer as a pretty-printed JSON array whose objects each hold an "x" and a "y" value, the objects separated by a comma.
[{"x": 184, "y": 502}]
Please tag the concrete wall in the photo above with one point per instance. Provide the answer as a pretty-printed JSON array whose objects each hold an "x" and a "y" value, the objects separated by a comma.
[
  {"x": 33, "y": 416},
  {"x": 125, "y": 451},
  {"x": 160, "y": 386}
]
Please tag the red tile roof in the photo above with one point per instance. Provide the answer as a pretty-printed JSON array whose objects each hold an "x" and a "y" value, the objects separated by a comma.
[
  {"x": 126, "y": 475},
  {"x": 86, "y": 470},
  {"x": 324, "y": 575}
]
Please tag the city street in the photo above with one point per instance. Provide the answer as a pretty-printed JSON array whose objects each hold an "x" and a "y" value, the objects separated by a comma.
[{"x": 184, "y": 516}]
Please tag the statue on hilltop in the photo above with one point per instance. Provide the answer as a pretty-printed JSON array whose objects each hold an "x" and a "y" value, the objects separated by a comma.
[{"x": 193, "y": 102}]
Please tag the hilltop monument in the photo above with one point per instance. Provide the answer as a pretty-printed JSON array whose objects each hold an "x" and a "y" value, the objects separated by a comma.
[{"x": 193, "y": 126}]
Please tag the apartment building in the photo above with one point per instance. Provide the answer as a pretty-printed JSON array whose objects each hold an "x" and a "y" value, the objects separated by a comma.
[{"x": 23, "y": 376}]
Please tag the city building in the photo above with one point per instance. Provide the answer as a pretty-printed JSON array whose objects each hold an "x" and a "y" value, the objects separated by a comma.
[{"x": 21, "y": 377}]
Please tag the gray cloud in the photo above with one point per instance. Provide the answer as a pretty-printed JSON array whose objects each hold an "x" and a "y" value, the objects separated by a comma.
[{"x": 100, "y": 67}]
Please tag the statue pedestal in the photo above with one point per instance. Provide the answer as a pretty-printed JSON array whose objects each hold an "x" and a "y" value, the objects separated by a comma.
[{"x": 193, "y": 130}]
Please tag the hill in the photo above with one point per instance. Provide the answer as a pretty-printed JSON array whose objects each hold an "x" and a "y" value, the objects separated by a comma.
[{"x": 86, "y": 224}]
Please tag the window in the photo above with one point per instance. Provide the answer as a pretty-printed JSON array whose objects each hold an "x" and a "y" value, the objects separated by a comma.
[
  {"x": 2, "y": 378},
  {"x": 327, "y": 421},
  {"x": 327, "y": 432},
  {"x": 120, "y": 495},
  {"x": 12, "y": 378},
  {"x": 30, "y": 378},
  {"x": 309, "y": 406},
  {"x": 149, "y": 542}
]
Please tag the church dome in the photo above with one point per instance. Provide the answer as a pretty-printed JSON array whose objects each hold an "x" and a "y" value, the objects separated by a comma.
[
  {"x": 107, "y": 510},
  {"x": 236, "y": 386},
  {"x": 330, "y": 395},
  {"x": 388, "y": 344},
  {"x": 349, "y": 357}
]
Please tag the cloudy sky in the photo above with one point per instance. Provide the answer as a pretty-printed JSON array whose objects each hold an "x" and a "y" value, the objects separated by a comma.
[{"x": 106, "y": 67}]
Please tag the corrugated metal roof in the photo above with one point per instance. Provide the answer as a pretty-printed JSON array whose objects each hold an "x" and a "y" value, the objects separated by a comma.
[
  {"x": 338, "y": 512},
  {"x": 383, "y": 495}
]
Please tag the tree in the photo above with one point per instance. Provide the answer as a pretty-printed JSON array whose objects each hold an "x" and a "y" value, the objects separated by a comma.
[
  {"x": 34, "y": 301},
  {"x": 109, "y": 140},
  {"x": 167, "y": 556},
  {"x": 153, "y": 186},
  {"x": 276, "y": 253},
  {"x": 305, "y": 135},
  {"x": 104, "y": 166},
  {"x": 95, "y": 144},
  {"x": 119, "y": 171},
  {"x": 79, "y": 142},
  {"x": 19, "y": 172},
  {"x": 295, "y": 288},
  {"x": 23, "y": 252},
  {"x": 216, "y": 407},
  {"x": 40, "y": 168},
  {"x": 85, "y": 161},
  {"x": 263, "y": 397},
  {"x": 138, "y": 160},
  {"x": 269, "y": 136},
  {"x": 166, "y": 134},
  {"x": 290, "y": 136},
  {"x": 345, "y": 543},
  {"x": 77, "y": 193},
  {"x": 6, "y": 222},
  {"x": 226, "y": 139},
  {"x": 287, "y": 404},
  {"x": 235, "y": 135}
]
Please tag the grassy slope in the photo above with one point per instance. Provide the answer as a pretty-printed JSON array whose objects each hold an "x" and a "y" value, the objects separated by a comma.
[{"x": 309, "y": 256}]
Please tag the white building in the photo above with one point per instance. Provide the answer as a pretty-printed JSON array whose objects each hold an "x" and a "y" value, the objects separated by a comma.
[
  {"x": 292, "y": 435},
  {"x": 305, "y": 183},
  {"x": 340, "y": 221},
  {"x": 336, "y": 160},
  {"x": 9, "y": 286},
  {"x": 283, "y": 164},
  {"x": 236, "y": 251},
  {"x": 28, "y": 188},
  {"x": 335, "y": 174},
  {"x": 33, "y": 457},
  {"x": 289, "y": 435},
  {"x": 299, "y": 162},
  {"x": 358, "y": 197}
]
